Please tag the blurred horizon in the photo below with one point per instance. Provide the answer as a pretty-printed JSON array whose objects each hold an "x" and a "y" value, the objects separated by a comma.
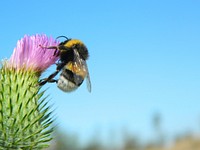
[{"x": 124, "y": 139}]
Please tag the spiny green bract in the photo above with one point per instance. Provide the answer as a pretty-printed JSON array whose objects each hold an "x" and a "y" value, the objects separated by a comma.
[{"x": 24, "y": 115}]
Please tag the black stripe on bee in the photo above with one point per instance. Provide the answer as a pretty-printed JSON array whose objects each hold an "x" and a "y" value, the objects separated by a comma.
[{"x": 69, "y": 75}]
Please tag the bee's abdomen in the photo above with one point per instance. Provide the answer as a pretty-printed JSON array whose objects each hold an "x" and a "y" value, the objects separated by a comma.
[
  {"x": 69, "y": 75},
  {"x": 66, "y": 85},
  {"x": 69, "y": 81}
]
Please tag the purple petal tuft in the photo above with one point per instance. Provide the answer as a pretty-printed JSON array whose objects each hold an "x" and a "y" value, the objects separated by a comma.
[{"x": 30, "y": 53}]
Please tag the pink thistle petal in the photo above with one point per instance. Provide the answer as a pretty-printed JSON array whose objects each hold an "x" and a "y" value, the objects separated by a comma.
[{"x": 30, "y": 53}]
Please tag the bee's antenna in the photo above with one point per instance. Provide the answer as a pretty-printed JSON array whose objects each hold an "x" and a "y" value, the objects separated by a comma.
[{"x": 63, "y": 37}]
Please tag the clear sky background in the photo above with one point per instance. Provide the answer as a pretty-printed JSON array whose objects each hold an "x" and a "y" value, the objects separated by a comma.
[{"x": 144, "y": 59}]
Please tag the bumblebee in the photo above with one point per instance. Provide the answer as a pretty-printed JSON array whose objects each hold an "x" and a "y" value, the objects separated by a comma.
[{"x": 72, "y": 62}]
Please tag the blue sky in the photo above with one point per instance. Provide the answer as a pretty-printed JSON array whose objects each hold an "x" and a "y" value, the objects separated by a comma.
[{"x": 144, "y": 59}]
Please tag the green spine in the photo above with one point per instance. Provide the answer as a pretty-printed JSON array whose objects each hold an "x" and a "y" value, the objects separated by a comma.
[{"x": 24, "y": 116}]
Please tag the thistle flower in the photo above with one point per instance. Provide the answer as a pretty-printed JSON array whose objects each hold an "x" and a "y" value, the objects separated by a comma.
[
  {"x": 24, "y": 115},
  {"x": 30, "y": 55}
]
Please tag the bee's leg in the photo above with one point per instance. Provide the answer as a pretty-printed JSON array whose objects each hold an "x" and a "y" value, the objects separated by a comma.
[
  {"x": 56, "y": 53},
  {"x": 43, "y": 81},
  {"x": 49, "y": 79},
  {"x": 53, "y": 80},
  {"x": 50, "y": 47}
]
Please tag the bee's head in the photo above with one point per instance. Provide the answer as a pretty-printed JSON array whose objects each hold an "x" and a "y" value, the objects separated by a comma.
[{"x": 70, "y": 44}]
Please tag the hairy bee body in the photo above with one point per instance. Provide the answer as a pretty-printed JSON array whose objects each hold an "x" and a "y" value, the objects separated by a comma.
[
  {"x": 73, "y": 55},
  {"x": 66, "y": 85},
  {"x": 69, "y": 80}
]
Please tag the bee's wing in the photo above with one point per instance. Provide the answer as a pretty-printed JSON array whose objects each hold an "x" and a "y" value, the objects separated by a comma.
[
  {"x": 82, "y": 63},
  {"x": 88, "y": 79}
]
